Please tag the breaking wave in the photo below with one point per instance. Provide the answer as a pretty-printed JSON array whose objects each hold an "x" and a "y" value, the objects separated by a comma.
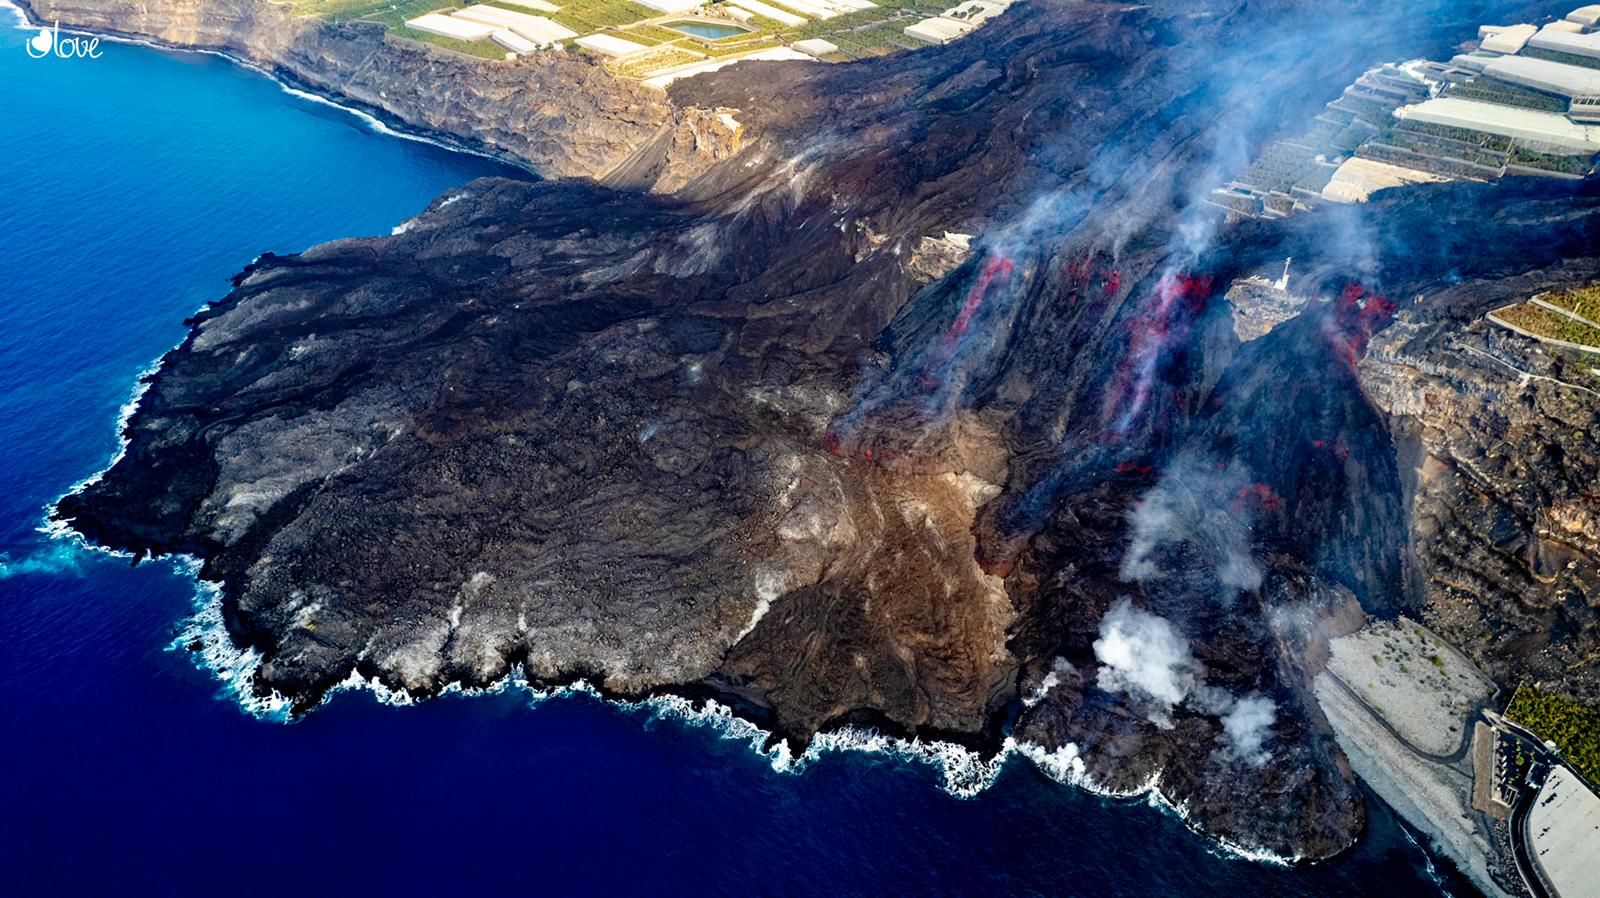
[{"x": 963, "y": 773}]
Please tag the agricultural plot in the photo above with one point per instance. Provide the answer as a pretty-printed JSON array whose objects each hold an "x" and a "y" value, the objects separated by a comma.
[
  {"x": 1572, "y": 726},
  {"x": 1549, "y": 325},
  {"x": 1583, "y": 301},
  {"x": 857, "y": 32}
]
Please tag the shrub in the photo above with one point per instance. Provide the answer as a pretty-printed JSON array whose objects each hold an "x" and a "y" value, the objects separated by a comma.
[{"x": 1571, "y": 725}]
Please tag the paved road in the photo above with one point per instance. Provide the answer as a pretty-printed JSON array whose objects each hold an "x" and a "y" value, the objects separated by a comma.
[
  {"x": 1449, "y": 760},
  {"x": 1526, "y": 865}
]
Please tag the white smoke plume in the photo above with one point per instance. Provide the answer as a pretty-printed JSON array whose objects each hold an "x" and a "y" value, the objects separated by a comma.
[
  {"x": 1143, "y": 655},
  {"x": 1247, "y": 727},
  {"x": 1200, "y": 504}
]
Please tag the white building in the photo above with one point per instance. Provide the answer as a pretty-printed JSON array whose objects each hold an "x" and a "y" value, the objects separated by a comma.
[
  {"x": 1563, "y": 829},
  {"x": 1567, "y": 42},
  {"x": 814, "y": 10},
  {"x": 1542, "y": 74},
  {"x": 672, "y": 6},
  {"x": 775, "y": 54},
  {"x": 939, "y": 30},
  {"x": 608, "y": 45},
  {"x": 975, "y": 11},
  {"x": 816, "y": 47},
  {"x": 446, "y": 26},
  {"x": 1585, "y": 15},
  {"x": 539, "y": 5},
  {"x": 1508, "y": 40},
  {"x": 1550, "y": 128},
  {"x": 771, "y": 12},
  {"x": 538, "y": 29},
  {"x": 513, "y": 41}
]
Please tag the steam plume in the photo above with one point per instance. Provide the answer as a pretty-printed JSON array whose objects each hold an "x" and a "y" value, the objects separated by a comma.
[
  {"x": 1143, "y": 655},
  {"x": 1204, "y": 505},
  {"x": 1247, "y": 726}
]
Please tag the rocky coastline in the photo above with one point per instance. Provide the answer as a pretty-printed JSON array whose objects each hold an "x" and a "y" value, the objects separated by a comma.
[
  {"x": 558, "y": 114},
  {"x": 727, "y": 440}
]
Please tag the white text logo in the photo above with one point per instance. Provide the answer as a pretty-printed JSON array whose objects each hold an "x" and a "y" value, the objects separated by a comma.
[{"x": 50, "y": 42}]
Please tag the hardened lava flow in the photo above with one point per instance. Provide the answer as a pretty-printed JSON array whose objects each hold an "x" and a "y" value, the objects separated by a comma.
[{"x": 755, "y": 439}]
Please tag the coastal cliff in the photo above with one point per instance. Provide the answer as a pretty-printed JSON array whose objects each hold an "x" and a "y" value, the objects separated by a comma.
[
  {"x": 741, "y": 441},
  {"x": 560, "y": 114}
]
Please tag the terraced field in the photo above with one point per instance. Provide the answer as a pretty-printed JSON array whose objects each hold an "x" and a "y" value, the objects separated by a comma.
[
  {"x": 1583, "y": 301},
  {"x": 859, "y": 34},
  {"x": 1542, "y": 322}
]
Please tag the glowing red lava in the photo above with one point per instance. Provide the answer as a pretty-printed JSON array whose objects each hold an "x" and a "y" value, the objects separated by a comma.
[
  {"x": 1355, "y": 317},
  {"x": 1164, "y": 324},
  {"x": 996, "y": 267},
  {"x": 1258, "y": 497}
]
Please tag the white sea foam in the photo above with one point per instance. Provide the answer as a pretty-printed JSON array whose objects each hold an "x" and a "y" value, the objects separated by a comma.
[
  {"x": 21, "y": 17},
  {"x": 141, "y": 384},
  {"x": 964, "y": 773},
  {"x": 59, "y": 559},
  {"x": 234, "y": 667},
  {"x": 1427, "y": 861}
]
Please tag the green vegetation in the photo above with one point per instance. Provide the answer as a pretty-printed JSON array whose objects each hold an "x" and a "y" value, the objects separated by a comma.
[
  {"x": 886, "y": 37},
  {"x": 730, "y": 46},
  {"x": 1587, "y": 62},
  {"x": 1548, "y": 324},
  {"x": 340, "y": 10},
  {"x": 1490, "y": 91},
  {"x": 1476, "y": 138},
  {"x": 394, "y": 14},
  {"x": 1572, "y": 726},
  {"x": 589, "y": 16},
  {"x": 663, "y": 57},
  {"x": 1503, "y": 93},
  {"x": 854, "y": 21},
  {"x": 870, "y": 32},
  {"x": 1363, "y": 106},
  {"x": 1582, "y": 301},
  {"x": 651, "y": 34},
  {"x": 1555, "y": 162},
  {"x": 480, "y": 49}
]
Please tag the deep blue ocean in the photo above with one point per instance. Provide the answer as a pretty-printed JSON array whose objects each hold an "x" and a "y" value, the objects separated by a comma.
[{"x": 131, "y": 187}]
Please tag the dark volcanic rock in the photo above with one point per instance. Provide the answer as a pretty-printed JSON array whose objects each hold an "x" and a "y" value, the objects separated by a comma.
[{"x": 730, "y": 441}]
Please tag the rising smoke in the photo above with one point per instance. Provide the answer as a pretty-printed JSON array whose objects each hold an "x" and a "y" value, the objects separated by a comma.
[
  {"x": 1206, "y": 505},
  {"x": 1145, "y": 657},
  {"x": 1247, "y": 726}
]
